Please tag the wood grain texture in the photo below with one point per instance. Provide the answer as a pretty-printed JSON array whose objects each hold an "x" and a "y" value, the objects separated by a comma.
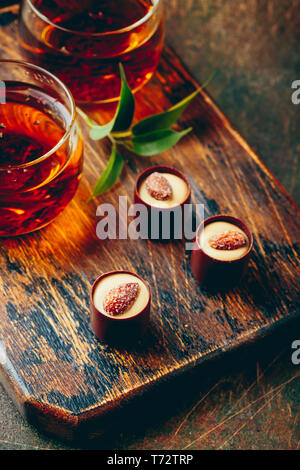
[{"x": 63, "y": 378}]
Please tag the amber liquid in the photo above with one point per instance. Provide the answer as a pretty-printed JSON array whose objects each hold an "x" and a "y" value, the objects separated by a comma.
[
  {"x": 33, "y": 190},
  {"x": 88, "y": 64}
]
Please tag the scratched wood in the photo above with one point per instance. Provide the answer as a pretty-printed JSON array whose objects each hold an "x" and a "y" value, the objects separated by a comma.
[{"x": 59, "y": 375}]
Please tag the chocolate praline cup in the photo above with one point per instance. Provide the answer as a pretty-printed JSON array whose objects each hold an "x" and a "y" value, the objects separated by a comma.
[
  {"x": 162, "y": 210},
  {"x": 119, "y": 330},
  {"x": 218, "y": 274}
]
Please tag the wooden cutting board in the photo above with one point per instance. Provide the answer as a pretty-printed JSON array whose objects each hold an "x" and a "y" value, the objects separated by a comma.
[{"x": 60, "y": 376}]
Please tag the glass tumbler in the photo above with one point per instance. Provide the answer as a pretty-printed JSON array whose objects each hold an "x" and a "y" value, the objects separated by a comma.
[
  {"x": 83, "y": 42},
  {"x": 41, "y": 150}
]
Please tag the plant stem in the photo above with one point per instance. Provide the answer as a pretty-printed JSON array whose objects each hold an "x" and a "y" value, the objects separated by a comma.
[
  {"x": 122, "y": 135},
  {"x": 113, "y": 141}
]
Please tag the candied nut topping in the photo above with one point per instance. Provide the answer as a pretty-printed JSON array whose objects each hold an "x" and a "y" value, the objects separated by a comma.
[
  {"x": 120, "y": 298},
  {"x": 229, "y": 240},
  {"x": 158, "y": 187}
]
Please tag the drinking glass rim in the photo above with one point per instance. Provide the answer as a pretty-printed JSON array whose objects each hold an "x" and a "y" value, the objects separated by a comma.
[
  {"x": 67, "y": 130},
  {"x": 106, "y": 33}
]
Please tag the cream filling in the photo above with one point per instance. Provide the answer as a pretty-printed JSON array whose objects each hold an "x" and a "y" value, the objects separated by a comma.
[
  {"x": 179, "y": 188},
  {"x": 215, "y": 228},
  {"x": 110, "y": 282}
]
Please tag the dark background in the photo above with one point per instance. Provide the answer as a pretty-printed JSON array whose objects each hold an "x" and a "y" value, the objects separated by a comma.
[
  {"x": 254, "y": 46},
  {"x": 251, "y": 399}
]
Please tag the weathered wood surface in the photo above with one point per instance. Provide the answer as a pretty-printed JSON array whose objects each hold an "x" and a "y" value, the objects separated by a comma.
[{"x": 60, "y": 376}]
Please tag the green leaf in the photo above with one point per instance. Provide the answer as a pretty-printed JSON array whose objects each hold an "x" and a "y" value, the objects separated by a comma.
[
  {"x": 125, "y": 112},
  {"x": 166, "y": 119},
  {"x": 123, "y": 117},
  {"x": 156, "y": 142},
  {"x": 163, "y": 120},
  {"x": 99, "y": 132},
  {"x": 110, "y": 175}
]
